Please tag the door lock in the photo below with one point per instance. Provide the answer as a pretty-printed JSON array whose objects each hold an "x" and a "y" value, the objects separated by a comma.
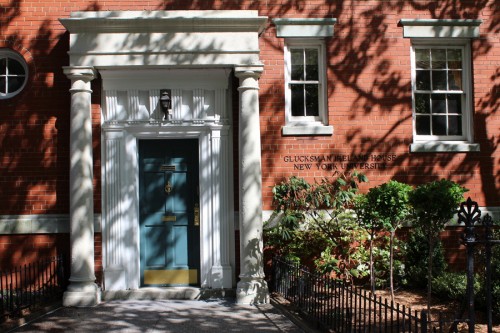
[{"x": 196, "y": 214}]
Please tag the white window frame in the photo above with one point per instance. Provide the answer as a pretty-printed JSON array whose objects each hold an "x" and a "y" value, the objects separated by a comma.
[
  {"x": 453, "y": 33},
  {"x": 465, "y": 92},
  {"x": 307, "y": 125},
  {"x": 302, "y": 33},
  {"x": 9, "y": 54}
]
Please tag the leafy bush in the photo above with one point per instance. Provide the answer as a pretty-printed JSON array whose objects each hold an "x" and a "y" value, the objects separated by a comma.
[
  {"x": 416, "y": 254},
  {"x": 314, "y": 222},
  {"x": 434, "y": 205},
  {"x": 450, "y": 286},
  {"x": 387, "y": 207},
  {"x": 381, "y": 257},
  {"x": 345, "y": 256}
]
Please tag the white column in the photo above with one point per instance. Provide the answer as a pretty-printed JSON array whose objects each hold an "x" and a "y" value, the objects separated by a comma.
[
  {"x": 82, "y": 290},
  {"x": 221, "y": 266},
  {"x": 252, "y": 288}
]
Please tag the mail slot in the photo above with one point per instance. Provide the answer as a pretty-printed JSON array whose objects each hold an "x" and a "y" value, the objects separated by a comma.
[{"x": 171, "y": 218}]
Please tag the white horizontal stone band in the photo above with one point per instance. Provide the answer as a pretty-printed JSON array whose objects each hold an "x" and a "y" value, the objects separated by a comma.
[{"x": 435, "y": 28}]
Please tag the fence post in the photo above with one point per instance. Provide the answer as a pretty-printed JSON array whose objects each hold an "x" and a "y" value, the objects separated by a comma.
[
  {"x": 469, "y": 214},
  {"x": 488, "y": 223},
  {"x": 423, "y": 322}
]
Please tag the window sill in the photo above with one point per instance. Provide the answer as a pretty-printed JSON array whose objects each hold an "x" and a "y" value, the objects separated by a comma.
[
  {"x": 444, "y": 147},
  {"x": 297, "y": 130}
]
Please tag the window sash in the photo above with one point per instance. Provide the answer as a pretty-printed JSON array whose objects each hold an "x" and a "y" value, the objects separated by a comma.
[
  {"x": 304, "y": 77},
  {"x": 440, "y": 92}
]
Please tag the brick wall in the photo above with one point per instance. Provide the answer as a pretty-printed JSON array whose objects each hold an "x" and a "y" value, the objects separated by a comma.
[
  {"x": 369, "y": 100},
  {"x": 19, "y": 250}
]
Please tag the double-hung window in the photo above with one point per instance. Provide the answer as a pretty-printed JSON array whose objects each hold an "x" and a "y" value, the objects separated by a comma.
[
  {"x": 441, "y": 93},
  {"x": 306, "y": 110},
  {"x": 304, "y": 82},
  {"x": 441, "y": 84}
]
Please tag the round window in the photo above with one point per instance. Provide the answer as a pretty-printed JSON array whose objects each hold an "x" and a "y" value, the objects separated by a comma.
[{"x": 13, "y": 73}]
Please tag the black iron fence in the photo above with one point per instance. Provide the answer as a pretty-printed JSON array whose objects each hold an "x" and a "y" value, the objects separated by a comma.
[
  {"x": 470, "y": 215},
  {"x": 336, "y": 306},
  {"x": 30, "y": 285}
]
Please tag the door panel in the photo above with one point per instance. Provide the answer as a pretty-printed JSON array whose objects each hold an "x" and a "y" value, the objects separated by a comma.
[{"x": 168, "y": 181}]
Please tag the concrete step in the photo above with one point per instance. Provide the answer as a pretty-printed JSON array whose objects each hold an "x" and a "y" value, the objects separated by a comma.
[{"x": 159, "y": 293}]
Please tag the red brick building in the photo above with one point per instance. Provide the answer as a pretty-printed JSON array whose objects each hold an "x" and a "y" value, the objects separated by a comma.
[{"x": 141, "y": 136}]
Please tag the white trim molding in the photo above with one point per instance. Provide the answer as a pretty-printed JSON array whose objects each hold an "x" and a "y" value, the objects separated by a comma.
[
  {"x": 139, "y": 38},
  {"x": 304, "y": 27},
  {"x": 444, "y": 147},
  {"x": 39, "y": 224},
  {"x": 440, "y": 28}
]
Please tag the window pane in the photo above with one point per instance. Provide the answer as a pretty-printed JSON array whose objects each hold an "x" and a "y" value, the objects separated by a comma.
[
  {"x": 297, "y": 100},
  {"x": 438, "y": 58},
  {"x": 312, "y": 65},
  {"x": 15, "y": 68},
  {"x": 14, "y": 83},
  {"x": 2, "y": 85},
  {"x": 455, "y": 80},
  {"x": 297, "y": 64},
  {"x": 422, "y": 103},
  {"x": 422, "y": 58},
  {"x": 312, "y": 105},
  {"x": 454, "y": 59},
  {"x": 438, "y": 103},
  {"x": 455, "y": 104},
  {"x": 423, "y": 80},
  {"x": 454, "y": 125},
  {"x": 438, "y": 80},
  {"x": 423, "y": 125},
  {"x": 439, "y": 125},
  {"x": 3, "y": 66}
]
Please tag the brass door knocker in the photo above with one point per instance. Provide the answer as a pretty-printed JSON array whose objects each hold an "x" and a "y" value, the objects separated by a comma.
[{"x": 168, "y": 187}]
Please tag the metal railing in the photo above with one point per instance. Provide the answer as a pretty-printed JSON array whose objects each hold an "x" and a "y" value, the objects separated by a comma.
[
  {"x": 30, "y": 285},
  {"x": 340, "y": 307}
]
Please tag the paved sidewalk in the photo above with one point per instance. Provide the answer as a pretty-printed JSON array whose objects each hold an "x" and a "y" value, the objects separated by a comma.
[{"x": 164, "y": 316}]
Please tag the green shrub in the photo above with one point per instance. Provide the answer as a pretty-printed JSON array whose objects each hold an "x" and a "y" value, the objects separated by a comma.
[
  {"x": 450, "y": 286},
  {"x": 416, "y": 254},
  {"x": 434, "y": 205},
  {"x": 495, "y": 277},
  {"x": 315, "y": 223},
  {"x": 381, "y": 257},
  {"x": 388, "y": 207}
]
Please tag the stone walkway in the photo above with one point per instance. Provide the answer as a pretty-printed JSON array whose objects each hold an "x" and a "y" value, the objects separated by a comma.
[{"x": 164, "y": 316}]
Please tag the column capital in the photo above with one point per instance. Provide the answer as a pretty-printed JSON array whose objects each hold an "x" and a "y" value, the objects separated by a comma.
[
  {"x": 250, "y": 70},
  {"x": 86, "y": 73}
]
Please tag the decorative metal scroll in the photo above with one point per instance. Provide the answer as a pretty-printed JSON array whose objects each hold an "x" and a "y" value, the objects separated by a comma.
[{"x": 470, "y": 215}]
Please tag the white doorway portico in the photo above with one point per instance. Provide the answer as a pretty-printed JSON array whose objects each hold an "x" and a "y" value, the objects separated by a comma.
[{"x": 192, "y": 54}]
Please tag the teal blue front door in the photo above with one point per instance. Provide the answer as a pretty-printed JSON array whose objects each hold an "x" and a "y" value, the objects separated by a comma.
[{"x": 169, "y": 212}]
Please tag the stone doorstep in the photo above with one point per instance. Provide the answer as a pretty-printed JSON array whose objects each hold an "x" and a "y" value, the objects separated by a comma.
[{"x": 159, "y": 293}]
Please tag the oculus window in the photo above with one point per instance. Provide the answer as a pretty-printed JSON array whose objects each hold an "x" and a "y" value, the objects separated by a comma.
[{"x": 13, "y": 73}]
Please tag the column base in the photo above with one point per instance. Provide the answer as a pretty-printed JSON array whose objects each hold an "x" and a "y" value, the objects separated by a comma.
[
  {"x": 252, "y": 291},
  {"x": 82, "y": 295},
  {"x": 221, "y": 277}
]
